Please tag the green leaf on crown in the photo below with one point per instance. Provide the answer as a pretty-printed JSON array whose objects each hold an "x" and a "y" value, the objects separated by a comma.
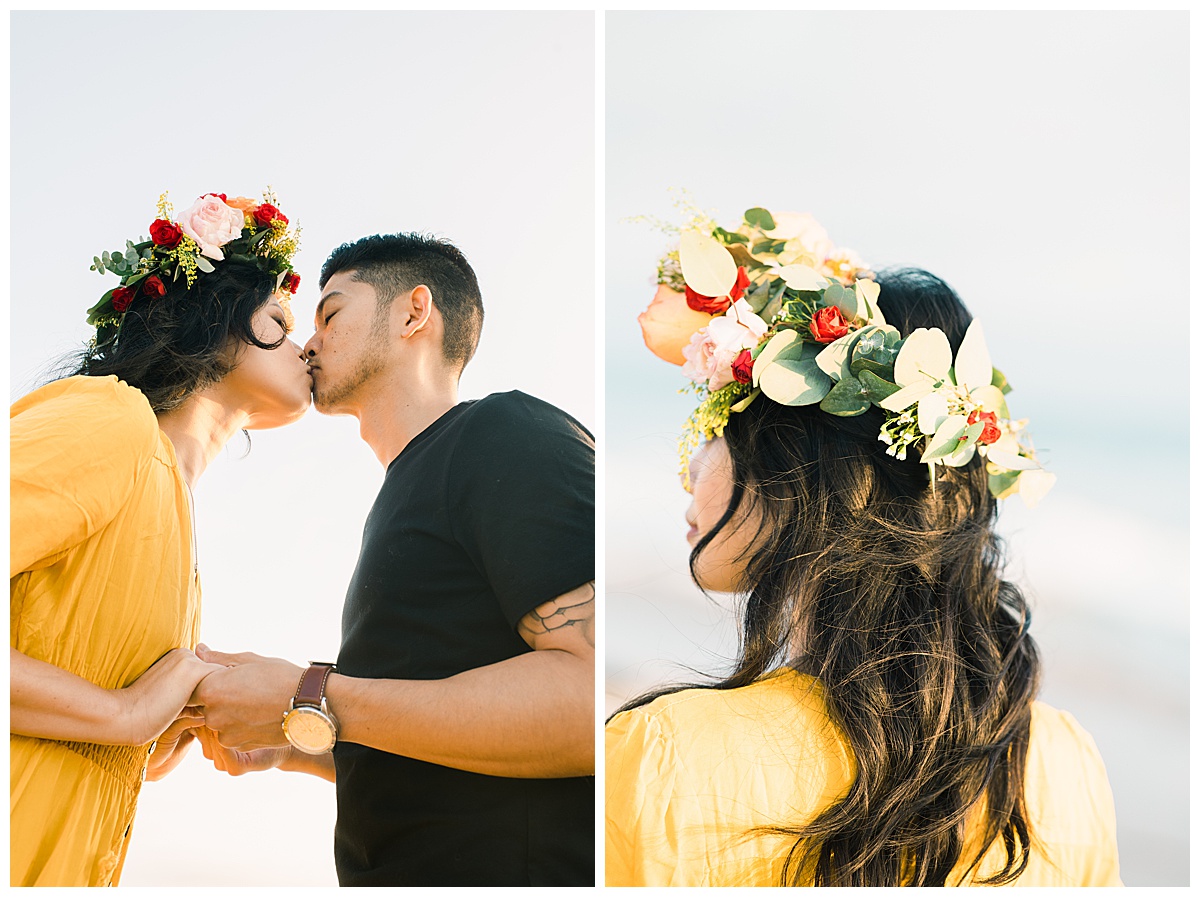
[
  {"x": 876, "y": 352},
  {"x": 768, "y": 246},
  {"x": 758, "y": 296},
  {"x": 1004, "y": 484},
  {"x": 877, "y": 389},
  {"x": 790, "y": 375},
  {"x": 745, "y": 403},
  {"x": 101, "y": 309},
  {"x": 848, "y": 398},
  {"x": 729, "y": 237},
  {"x": 741, "y": 256},
  {"x": 946, "y": 440},
  {"x": 846, "y": 300},
  {"x": 760, "y": 218},
  {"x": 1000, "y": 382},
  {"x": 204, "y": 265}
]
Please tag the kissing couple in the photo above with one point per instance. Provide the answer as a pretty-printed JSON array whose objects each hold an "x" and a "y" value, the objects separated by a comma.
[{"x": 456, "y": 721}]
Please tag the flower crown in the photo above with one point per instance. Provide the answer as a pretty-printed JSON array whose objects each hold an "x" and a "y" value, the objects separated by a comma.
[
  {"x": 213, "y": 229},
  {"x": 775, "y": 308}
]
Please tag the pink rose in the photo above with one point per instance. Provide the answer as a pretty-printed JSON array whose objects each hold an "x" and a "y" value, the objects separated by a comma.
[
  {"x": 212, "y": 224},
  {"x": 669, "y": 323},
  {"x": 711, "y": 352}
]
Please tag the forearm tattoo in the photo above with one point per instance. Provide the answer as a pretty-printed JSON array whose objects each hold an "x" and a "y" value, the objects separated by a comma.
[{"x": 576, "y": 609}]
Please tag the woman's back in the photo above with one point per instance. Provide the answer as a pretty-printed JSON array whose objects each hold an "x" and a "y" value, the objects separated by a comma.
[{"x": 692, "y": 774}]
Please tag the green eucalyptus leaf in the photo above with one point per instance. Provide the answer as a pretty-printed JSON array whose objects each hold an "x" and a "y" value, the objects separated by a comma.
[
  {"x": 758, "y": 296},
  {"x": 781, "y": 341},
  {"x": 848, "y": 398},
  {"x": 727, "y": 237},
  {"x": 131, "y": 255},
  {"x": 204, "y": 265},
  {"x": 771, "y": 247},
  {"x": 877, "y": 389},
  {"x": 760, "y": 218},
  {"x": 1000, "y": 382},
  {"x": 1002, "y": 485},
  {"x": 794, "y": 381},
  {"x": 971, "y": 435},
  {"x": 101, "y": 308},
  {"x": 741, "y": 256},
  {"x": 846, "y": 300},
  {"x": 946, "y": 440}
]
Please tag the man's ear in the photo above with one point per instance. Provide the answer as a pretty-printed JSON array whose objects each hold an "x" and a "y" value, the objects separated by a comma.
[{"x": 416, "y": 309}]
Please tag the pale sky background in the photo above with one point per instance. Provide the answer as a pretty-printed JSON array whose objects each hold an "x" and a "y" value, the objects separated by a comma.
[
  {"x": 475, "y": 126},
  {"x": 1039, "y": 164}
]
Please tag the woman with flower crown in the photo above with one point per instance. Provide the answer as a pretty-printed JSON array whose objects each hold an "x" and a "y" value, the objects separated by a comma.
[
  {"x": 191, "y": 347},
  {"x": 880, "y": 726}
]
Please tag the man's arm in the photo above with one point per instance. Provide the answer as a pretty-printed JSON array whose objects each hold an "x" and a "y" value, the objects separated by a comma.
[{"x": 530, "y": 716}]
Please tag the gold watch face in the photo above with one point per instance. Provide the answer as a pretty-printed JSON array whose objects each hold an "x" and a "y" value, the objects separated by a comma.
[{"x": 309, "y": 730}]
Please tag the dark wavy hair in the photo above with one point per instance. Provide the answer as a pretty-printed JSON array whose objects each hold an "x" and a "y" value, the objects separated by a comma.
[
  {"x": 892, "y": 588},
  {"x": 391, "y": 263},
  {"x": 176, "y": 345}
]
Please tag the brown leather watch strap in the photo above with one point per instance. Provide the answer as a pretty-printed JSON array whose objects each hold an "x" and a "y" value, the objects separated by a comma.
[{"x": 311, "y": 688}]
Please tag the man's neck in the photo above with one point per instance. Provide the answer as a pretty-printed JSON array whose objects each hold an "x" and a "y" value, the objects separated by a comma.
[{"x": 389, "y": 421}]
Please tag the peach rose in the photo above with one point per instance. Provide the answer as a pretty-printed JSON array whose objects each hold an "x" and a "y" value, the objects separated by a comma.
[
  {"x": 668, "y": 324},
  {"x": 243, "y": 203},
  {"x": 212, "y": 224}
]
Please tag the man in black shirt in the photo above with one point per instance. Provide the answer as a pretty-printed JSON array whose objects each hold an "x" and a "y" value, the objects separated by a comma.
[{"x": 462, "y": 700}]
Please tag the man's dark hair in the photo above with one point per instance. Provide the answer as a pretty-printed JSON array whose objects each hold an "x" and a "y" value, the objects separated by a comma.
[{"x": 392, "y": 263}]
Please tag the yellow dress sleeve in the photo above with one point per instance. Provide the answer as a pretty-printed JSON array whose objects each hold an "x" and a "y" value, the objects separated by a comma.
[
  {"x": 77, "y": 447},
  {"x": 1102, "y": 866},
  {"x": 639, "y": 772}
]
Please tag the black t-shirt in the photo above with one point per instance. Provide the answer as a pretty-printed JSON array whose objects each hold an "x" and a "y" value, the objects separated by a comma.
[{"x": 486, "y": 514}]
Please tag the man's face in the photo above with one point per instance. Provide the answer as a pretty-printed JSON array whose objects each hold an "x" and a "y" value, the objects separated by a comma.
[{"x": 350, "y": 344}]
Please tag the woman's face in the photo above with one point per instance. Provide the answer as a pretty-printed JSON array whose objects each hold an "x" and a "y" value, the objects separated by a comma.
[
  {"x": 273, "y": 385},
  {"x": 721, "y": 566}
]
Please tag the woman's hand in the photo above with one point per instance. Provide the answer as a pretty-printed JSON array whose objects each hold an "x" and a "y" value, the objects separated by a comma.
[
  {"x": 49, "y": 702},
  {"x": 152, "y": 703},
  {"x": 172, "y": 746}
]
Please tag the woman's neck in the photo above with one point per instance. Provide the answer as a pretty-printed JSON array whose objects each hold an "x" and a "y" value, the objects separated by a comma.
[{"x": 199, "y": 429}]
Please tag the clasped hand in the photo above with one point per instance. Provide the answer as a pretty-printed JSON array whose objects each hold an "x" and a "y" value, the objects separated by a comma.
[{"x": 243, "y": 703}]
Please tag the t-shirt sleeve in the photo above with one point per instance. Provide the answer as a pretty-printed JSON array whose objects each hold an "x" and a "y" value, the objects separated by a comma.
[
  {"x": 523, "y": 500},
  {"x": 77, "y": 448}
]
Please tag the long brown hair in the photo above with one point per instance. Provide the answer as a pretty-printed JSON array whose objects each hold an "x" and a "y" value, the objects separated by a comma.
[{"x": 893, "y": 588}]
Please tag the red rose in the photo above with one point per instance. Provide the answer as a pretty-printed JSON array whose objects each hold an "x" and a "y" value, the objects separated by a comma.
[
  {"x": 291, "y": 282},
  {"x": 828, "y": 324},
  {"x": 165, "y": 234},
  {"x": 121, "y": 298},
  {"x": 153, "y": 287},
  {"x": 715, "y": 305},
  {"x": 266, "y": 213},
  {"x": 743, "y": 367},
  {"x": 991, "y": 432}
]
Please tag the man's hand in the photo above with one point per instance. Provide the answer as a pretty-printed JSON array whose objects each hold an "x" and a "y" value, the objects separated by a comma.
[
  {"x": 236, "y": 762},
  {"x": 244, "y": 703},
  {"x": 173, "y": 744}
]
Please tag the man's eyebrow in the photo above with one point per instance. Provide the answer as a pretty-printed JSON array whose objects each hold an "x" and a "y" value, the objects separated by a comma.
[{"x": 324, "y": 299}]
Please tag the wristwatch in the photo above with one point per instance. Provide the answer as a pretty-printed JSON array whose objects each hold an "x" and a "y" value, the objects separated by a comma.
[{"x": 308, "y": 723}]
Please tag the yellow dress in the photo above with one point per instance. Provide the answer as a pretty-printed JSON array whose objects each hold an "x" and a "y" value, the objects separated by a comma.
[
  {"x": 102, "y": 583},
  {"x": 689, "y": 775}
]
